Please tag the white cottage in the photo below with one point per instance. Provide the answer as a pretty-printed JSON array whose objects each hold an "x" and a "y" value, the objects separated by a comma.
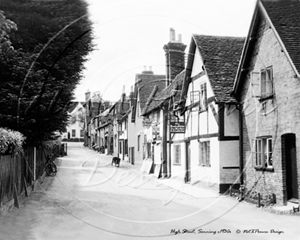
[{"x": 208, "y": 152}]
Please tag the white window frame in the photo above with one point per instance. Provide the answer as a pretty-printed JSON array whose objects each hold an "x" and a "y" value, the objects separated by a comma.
[{"x": 263, "y": 152}]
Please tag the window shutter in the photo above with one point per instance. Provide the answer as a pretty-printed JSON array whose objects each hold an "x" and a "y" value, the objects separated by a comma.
[
  {"x": 255, "y": 84},
  {"x": 253, "y": 153}
]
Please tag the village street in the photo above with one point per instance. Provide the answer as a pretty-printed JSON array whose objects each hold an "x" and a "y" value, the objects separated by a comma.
[{"x": 90, "y": 199}]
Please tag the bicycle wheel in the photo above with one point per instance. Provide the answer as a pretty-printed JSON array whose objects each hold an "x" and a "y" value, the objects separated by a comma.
[
  {"x": 50, "y": 169},
  {"x": 54, "y": 168}
]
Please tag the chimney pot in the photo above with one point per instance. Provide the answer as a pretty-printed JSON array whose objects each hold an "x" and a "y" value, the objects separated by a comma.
[
  {"x": 172, "y": 35},
  {"x": 179, "y": 38}
]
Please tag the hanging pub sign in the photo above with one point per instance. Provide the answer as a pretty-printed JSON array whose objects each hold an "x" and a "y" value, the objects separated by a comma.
[
  {"x": 146, "y": 123},
  {"x": 177, "y": 127}
]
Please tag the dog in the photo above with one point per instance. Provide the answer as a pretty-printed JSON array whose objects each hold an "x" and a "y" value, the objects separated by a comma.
[{"x": 116, "y": 161}]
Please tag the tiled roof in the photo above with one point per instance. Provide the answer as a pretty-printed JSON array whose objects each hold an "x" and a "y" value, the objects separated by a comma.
[
  {"x": 221, "y": 57},
  {"x": 146, "y": 83},
  {"x": 285, "y": 17},
  {"x": 173, "y": 90}
]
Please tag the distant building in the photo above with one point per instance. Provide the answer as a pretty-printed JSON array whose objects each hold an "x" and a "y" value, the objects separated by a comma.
[{"x": 75, "y": 128}]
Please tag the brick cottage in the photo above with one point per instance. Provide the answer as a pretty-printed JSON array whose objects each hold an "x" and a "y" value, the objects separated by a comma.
[{"x": 268, "y": 88}]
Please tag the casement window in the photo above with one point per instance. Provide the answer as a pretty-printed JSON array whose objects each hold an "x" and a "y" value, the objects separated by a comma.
[
  {"x": 266, "y": 82},
  {"x": 73, "y": 132},
  {"x": 138, "y": 142},
  {"x": 263, "y": 152},
  {"x": 195, "y": 96},
  {"x": 203, "y": 97},
  {"x": 177, "y": 154},
  {"x": 204, "y": 153}
]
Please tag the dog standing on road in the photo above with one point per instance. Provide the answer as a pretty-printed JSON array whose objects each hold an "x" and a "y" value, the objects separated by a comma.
[{"x": 116, "y": 161}]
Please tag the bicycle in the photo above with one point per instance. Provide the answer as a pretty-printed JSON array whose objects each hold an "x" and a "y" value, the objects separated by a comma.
[{"x": 50, "y": 167}]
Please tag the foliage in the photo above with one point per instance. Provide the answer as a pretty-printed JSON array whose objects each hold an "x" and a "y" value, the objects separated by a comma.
[
  {"x": 51, "y": 144},
  {"x": 11, "y": 141},
  {"x": 41, "y": 63}
]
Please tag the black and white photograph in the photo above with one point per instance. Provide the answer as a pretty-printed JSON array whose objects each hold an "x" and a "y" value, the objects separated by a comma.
[{"x": 149, "y": 119}]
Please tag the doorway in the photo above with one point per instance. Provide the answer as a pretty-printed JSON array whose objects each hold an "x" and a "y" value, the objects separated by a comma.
[
  {"x": 290, "y": 161},
  {"x": 187, "y": 162}
]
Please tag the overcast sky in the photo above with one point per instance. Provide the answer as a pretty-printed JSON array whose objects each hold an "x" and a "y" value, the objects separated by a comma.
[{"x": 131, "y": 34}]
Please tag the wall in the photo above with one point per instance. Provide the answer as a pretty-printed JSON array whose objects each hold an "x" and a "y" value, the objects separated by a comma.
[
  {"x": 229, "y": 162},
  {"x": 178, "y": 170},
  {"x": 198, "y": 126},
  {"x": 135, "y": 129},
  {"x": 231, "y": 121},
  {"x": 207, "y": 176}
]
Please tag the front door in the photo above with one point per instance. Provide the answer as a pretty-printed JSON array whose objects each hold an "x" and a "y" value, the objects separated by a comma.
[
  {"x": 187, "y": 162},
  {"x": 291, "y": 166}
]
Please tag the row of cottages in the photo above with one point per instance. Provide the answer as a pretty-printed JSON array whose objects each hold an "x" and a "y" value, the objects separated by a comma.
[
  {"x": 268, "y": 88},
  {"x": 106, "y": 128},
  {"x": 146, "y": 85},
  {"x": 198, "y": 135},
  {"x": 237, "y": 118},
  {"x": 118, "y": 137}
]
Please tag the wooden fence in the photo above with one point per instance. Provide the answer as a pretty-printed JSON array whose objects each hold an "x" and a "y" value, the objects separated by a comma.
[{"x": 22, "y": 170}]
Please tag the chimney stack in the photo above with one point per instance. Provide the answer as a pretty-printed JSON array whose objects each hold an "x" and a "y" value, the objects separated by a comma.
[
  {"x": 123, "y": 94},
  {"x": 87, "y": 95},
  {"x": 175, "y": 57}
]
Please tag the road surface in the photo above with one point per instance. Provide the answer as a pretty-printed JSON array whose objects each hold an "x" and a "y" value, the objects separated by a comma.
[{"x": 90, "y": 199}]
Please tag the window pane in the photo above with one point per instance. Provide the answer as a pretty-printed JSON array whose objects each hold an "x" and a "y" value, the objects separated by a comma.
[
  {"x": 263, "y": 82},
  {"x": 269, "y": 81}
]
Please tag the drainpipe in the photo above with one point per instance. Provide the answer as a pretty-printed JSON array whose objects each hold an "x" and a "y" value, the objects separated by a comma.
[
  {"x": 169, "y": 163},
  {"x": 164, "y": 142},
  {"x": 241, "y": 145}
]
